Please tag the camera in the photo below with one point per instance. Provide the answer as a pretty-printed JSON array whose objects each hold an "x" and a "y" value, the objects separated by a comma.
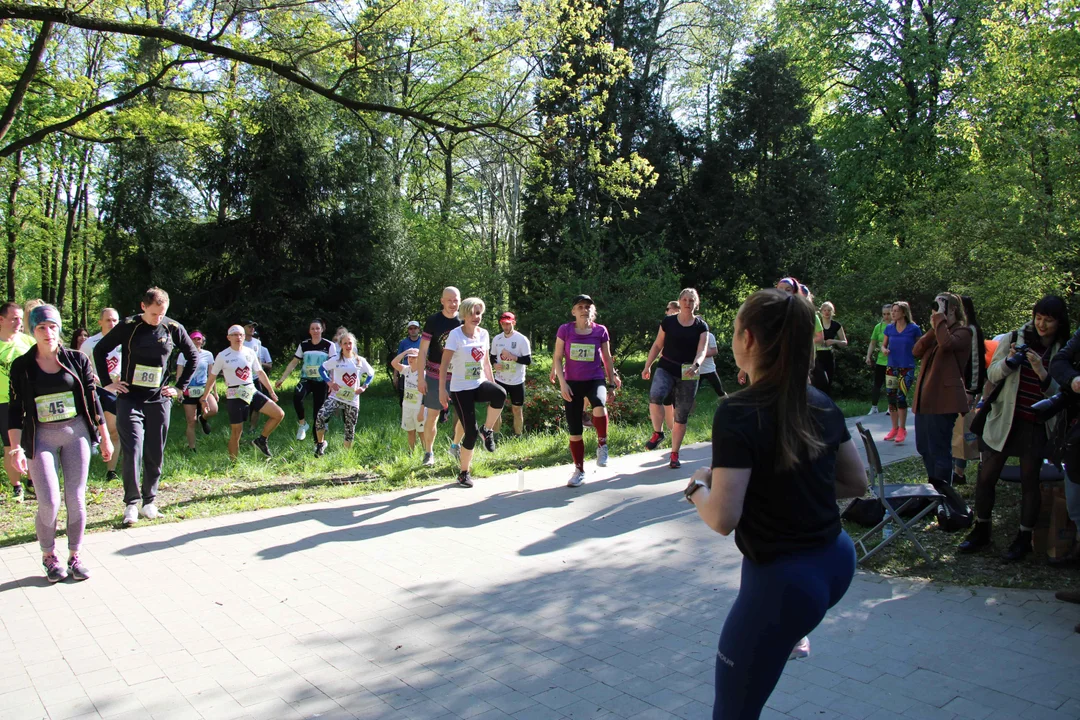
[
  {"x": 939, "y": 306},
  {"x": 1020, "y": 358},
  {"x": 1051, "y": 406}
]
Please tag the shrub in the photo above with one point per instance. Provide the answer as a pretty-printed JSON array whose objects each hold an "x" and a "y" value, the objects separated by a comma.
[{"x": 544, "y": 410}]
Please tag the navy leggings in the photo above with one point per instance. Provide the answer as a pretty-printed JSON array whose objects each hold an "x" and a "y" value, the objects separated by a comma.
[{"x": 779, "y": 603}]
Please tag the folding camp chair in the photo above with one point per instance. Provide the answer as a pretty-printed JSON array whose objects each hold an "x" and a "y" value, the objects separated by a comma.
[{"x": 903, "y": 493}]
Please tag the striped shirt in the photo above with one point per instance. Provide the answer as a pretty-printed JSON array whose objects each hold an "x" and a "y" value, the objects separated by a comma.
[{"x": 1030, "y": 389}]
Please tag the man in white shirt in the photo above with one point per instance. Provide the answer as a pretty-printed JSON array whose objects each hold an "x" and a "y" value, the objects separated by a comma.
[{"x": 510, "y": 353}]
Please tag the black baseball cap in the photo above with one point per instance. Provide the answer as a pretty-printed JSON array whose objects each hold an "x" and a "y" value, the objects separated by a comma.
[{"x": 582, "y": 298}]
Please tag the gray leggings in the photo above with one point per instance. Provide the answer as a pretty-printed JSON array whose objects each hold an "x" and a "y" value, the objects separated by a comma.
[{"x": 66, "y": 444}]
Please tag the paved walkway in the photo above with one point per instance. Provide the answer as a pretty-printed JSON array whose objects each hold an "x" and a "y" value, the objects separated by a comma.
[{"x": 600, "y": 602}]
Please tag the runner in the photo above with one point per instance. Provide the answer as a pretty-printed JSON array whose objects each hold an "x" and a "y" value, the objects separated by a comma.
[
  {"x": 142, "y": 403},
  {"x": 900, "y": 338},
  {"x": 13, "y": 344},
  {"x": 252, "y": 340},
  {"x": 313, "y": 353},
  {"x": 512, "y": 354},
  {"x": 582, "y": 360},
  {"x": 200, "y": 401},
  {"x": 107, "y": 321},
  {"x": 878, "y": 360},
  {"x": 239, "y": 366},
  {"x": 407, "y": 363},
  {"x": 466, "y": 348},
  {"x": 432, "y": 339},
  {"x": 708, "y": 371},
  {"x": 411, "y": 341},
  {"x": 54, "y": 417},
  {"x": 349, "y": 376},
  {"x": 680, "y": 343},
  {"x": 669, "y": 401}
]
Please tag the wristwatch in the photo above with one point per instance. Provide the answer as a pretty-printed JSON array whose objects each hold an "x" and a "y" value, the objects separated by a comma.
[{"x": 693, "y": 488}]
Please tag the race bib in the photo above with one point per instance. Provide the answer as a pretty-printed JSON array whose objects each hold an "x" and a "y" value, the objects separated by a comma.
[
  {"x": 688, "y": 371},
  {"x": 345, "y": 394},
  {"x": 55, "y": 407},
  {"x": 147, "y": 377},
  {"x": 196, "y": 391},
  {"x": 114, "y": 368},
  {"x": 472, "y": 370},
  {"x": 412, "y": 396},
  {"x": 311, "y": 372},
  {"x": 506, "y": 368},
  {"x": 892, "y": 382},
  {"x": 241, "y": 392},
  {"x": 583, "y": 352}
]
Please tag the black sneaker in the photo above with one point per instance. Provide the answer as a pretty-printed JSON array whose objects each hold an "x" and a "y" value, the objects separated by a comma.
[
  {"x": 320, "y": 448},
  {"x": 78, "y": 570},
  {"x": 54, "y": 571},
  {"x": 656, "y": 439},
  {"x": 260, "y": 443},
  {"x": 18, "y": 492},
  {"x": 111, "y": 476},
  {"x": 1019, "y": 548},
  {"x": 205, "y": 425},
  {"x": 489, "y": 439},
  {"x": 464, "y": 479}
]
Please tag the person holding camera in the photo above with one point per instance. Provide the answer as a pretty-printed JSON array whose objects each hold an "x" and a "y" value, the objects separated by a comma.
[
  {"x": 939, "y": 393},
  {"x": 1019, "y": 372},
  {"x": 782, "y": 455},
  {"x": 1065, "y": 369}
]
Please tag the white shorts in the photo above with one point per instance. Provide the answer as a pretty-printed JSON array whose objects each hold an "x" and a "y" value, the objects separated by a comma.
[{"x": 408, "y": 418}]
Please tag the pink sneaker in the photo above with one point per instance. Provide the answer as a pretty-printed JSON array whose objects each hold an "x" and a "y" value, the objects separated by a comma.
[
  {"x": 801, "y": 649},
  {"x": 901, "y": 436},
  {"x": 892, "y": 433}
]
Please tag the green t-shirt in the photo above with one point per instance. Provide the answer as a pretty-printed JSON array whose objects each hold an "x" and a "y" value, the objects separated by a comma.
[
  {"x": 878, "y": 337},
  {"x": 13, "y": 348},
  {"x": 818, "y": 327}
]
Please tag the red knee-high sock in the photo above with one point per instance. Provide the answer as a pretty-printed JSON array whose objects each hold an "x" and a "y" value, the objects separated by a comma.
[
  {"x": 577, "y": 451},
  {"x": 600, "y": 423}
]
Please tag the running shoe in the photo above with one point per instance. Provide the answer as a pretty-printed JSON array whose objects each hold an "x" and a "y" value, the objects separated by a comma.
[
  {"x": 18, "y": 492},
  {"x": 429, "y": 459},
  {"x": 260, "y": 443},
  {"x": 901, "y": 435},
  {"x": 656, "y": 439},
  {"x": 873, "y": 410},
  {"x": 77, "y": 569},
  {"x": 150, "y": 511},
  {"x": 111, "y": 476},
  {"x": 601, "y": 456},
  {"x": 892, "y": 433},
  {"x": 54, "y": 571},
  {"x": 801, "y": 649},
  {"x": 205, "y": 425},
  {"x": 320, "y": 449},
  {"x": 301, "y": 433},
  {"x": 464, "y": 479},
  {"x": 131, "y": 515},
  {"x": 675, "y": 464},
  {"x": 576, "y": 479},
  {"x": 455, "y": 452},
  {"x": 489, "y": 439}
]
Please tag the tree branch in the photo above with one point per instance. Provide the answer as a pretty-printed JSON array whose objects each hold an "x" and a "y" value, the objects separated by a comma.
[{"x": 19, "y": 91}]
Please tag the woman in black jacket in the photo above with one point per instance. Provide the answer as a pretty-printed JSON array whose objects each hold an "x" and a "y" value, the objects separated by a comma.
[{"x": 53, "y": 418}]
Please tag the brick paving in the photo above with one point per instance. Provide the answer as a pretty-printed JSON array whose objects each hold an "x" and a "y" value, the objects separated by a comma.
[{"x": 440, "y": 603}]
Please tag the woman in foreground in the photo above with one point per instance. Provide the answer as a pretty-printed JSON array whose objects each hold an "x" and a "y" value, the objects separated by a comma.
[{"x": 782, "y": 456}]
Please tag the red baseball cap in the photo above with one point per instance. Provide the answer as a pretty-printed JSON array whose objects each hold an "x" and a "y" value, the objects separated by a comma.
[{"x": 508, "y": 316}]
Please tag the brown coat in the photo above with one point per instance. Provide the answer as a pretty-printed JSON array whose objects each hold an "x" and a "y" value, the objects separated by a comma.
[{"x": 944, "y": 352}]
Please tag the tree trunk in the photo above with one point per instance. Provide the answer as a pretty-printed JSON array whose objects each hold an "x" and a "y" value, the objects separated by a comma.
[
  {"x": 13, "y": 227},
  {"x": 74, "y": 202}
]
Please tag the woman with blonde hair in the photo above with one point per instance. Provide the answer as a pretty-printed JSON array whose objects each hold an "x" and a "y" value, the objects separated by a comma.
[
  {"x": 833, "y": 336},
  {"x": 900, "y": 338}
]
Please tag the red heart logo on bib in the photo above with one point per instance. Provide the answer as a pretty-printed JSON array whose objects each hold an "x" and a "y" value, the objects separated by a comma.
[
  {"x": 112, "y": 363},
  {"x": 477, "y": 354},
  {"x": 349, "y": 379},
  {"x": 243, "y": 373}
]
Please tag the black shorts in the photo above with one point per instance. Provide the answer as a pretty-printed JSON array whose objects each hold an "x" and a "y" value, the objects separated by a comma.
[
  {"x": 516, "y": 393},
  {"x": 239, "y": 411},
  {"x": 193, "y": 401},
  {"x": 4, "y": 422},
  {"x": 108, "y": 402}
]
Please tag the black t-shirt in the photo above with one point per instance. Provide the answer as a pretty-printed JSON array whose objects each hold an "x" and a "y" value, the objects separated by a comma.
[
  {"x": 680, "y": 343},
  {"x": 51, "y": 393},
  {"x": 784, "y": 511},
  {"x": 832, "y": 331},
  {"x": 436, "y": 329}
]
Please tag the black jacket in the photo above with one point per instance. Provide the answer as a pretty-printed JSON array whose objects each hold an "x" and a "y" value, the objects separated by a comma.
[
  {"x": 22, "y": 411},
  {"x": 149, "y": 345},
  {"x": 1065, "y": 365}
]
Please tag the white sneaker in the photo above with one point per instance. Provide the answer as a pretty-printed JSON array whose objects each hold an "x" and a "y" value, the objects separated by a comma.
[
  {"x": 801, "y": 649},
  {"x": 576, "y": 479},
  {"x": 301, "y": 431},
  {"x": 873, "y": 411},
  {"x": 429, "y": 459},
  {"x": 601, "y": 456},
  {"x": 131, "y": 515},
  {"x": 150, "y": 512}
]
